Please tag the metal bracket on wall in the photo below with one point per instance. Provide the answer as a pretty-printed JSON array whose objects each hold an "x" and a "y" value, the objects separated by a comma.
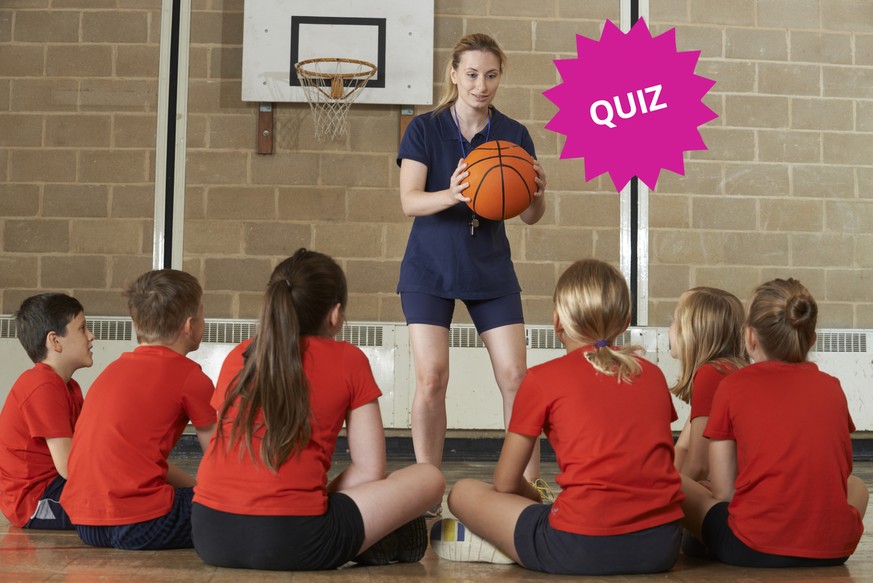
[
  {"x": 265, "y": 128},
  {"x": 407, "y": 112}
]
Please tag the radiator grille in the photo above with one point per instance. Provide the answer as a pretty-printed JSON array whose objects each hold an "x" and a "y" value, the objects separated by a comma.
[
  {"x": 361, "y": 334},
  {"x": 7, "y": 327},
  {"x": 840, "y": 342},
  {"x": 229, "y": 331},
  {"x": 111, "y": 329},
  {"x": 464, "y": 336}
]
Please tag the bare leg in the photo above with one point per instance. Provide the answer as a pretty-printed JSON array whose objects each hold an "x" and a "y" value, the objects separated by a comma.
[
  {"x": 388, "y": 504},
  {"x": 508, "y": 354},
  {"x": 430, "y": 353},
  {"x": 698, "y": 501},
  {"x": 490, "y": 514},
  {"x": 858, "y": 494}
]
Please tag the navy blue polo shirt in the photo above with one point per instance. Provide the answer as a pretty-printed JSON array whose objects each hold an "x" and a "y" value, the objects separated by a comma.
[{"x": 442, "y": 258}]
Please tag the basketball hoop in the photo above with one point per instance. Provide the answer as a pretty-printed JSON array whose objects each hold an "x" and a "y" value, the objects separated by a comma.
[{"x": 331, "y": 85}]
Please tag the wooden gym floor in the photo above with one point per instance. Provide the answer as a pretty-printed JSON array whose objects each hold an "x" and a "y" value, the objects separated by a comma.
[{"x": 60, "y": 556}]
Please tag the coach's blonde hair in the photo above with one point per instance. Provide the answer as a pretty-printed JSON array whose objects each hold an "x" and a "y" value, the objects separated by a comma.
[
  {"x": 593, "y": 304},
  {"x": 709, "y": 328},
  {"x": 471, "y": 42},
  {"x": 783, "y": 314}
]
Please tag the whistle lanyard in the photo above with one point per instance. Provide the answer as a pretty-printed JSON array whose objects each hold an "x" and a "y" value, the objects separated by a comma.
[{"x": 474, "y": 222}]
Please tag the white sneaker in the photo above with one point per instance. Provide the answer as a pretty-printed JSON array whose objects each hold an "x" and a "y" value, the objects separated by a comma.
[{"x": 452, "y": 541}]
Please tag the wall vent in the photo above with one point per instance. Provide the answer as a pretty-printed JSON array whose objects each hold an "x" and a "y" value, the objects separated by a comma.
[
  {"x": 464, "y": 336},
  {"x": 840, "y": 342},
  {"x": 229, "y": 331},
  {"x": 111, "y": 328},
  {"x": 361, "y": 334},
  {"x": 7, "y": 327}
]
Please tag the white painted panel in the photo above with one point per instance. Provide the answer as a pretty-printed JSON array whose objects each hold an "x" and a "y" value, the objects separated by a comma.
[{"x": 395, "y": 35}]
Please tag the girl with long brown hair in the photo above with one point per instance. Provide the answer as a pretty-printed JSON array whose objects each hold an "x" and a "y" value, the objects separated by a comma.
[{"x": 263, "y": 500}]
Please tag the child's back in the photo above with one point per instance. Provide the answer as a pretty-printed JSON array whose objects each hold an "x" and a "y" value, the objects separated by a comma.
[
  {"x": 123, "y": 492},
  {"x": 137, "y": 409},
  {"x": 612, "y": 440}
]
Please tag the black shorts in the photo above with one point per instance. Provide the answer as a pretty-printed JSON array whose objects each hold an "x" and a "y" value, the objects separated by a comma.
[
  {"x": 543, "y": 548},
  {"x": 280, "y": 543},
  {"x": 420, "y": 308},
  {"x": 727, "y": 548}
]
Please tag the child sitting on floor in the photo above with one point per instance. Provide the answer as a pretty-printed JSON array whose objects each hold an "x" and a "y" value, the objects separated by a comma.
[
  {"x": 41, "y": 410},
  {"x": 607, "y": 414},
  {"x": 122, "y": 492},
  {"x": 780, "y": 452}
]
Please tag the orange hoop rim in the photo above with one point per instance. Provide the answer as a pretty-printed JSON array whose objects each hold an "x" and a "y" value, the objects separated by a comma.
[{"x": 299, "y": 66}]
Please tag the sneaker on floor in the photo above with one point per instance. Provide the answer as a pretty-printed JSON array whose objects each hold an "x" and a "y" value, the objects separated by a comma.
[
  {"x": 545, "y": 490},
  {"x": 407, "y": 544},
  {"x": 452, "y": 541},
  {"x": 435, "y": 511}
]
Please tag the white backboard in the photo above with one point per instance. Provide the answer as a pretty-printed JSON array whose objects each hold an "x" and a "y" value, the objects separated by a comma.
[{"x": 394, "y": 35}]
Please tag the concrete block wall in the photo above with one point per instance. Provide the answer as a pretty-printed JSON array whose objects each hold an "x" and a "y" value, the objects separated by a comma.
[{"x": 786, "y": 187}]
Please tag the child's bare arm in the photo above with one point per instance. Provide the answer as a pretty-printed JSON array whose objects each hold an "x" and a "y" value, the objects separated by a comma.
[
  {"x": 509, "y": 473},
  {"x": 204, "y": 435},
  {"x": 723, "y": 468},
  {"x": 59, "y": 447},
  {"x": 179, "y": 478},
  {"x": 366, "y": 446}
]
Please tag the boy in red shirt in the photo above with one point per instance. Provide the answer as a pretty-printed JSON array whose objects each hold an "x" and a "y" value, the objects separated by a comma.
[
  {"x": 123, "y": 493},
  {"x": 37, "y": 421}
]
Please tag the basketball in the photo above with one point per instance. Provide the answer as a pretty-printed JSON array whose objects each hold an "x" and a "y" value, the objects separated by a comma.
[{"x": 501, "y": 180}]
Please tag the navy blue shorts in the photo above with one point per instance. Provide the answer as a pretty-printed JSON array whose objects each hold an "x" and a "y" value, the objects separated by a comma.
[
  {"x": 543, "y": 548},
  {"x": 487, "y": 314},
  {"x": 48, "y": 514},
  {"x": 727, "y": 548},
  {"x": 280, "y": 543},
  {"x": 171, "y": 531}
]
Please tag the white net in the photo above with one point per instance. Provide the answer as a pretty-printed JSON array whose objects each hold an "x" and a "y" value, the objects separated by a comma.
[{"x": 331, "y": 86}]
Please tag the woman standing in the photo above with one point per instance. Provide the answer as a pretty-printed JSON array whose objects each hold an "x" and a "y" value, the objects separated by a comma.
[{"x": 454, "y": 255}]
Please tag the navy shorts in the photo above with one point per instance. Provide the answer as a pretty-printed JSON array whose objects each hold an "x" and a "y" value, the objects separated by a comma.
[
  {"x": 543, "y": 548},
  {"x": 48, "y": 514},
  {"x": 171, "y": 531},
  {"x": 280, "y": 543},
  {"x": 487, "y": 314},
  {"x": 727, "y": 548}
]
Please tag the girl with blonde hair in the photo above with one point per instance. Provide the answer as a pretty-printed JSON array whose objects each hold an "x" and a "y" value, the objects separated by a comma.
[
  {"x": 706, "y": 336},
  {"x": 780, "y": 450},
  {"x": 607, "y": 413}
]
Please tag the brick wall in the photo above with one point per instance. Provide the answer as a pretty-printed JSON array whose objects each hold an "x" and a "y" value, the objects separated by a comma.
[{"x": 785, "y": 188}]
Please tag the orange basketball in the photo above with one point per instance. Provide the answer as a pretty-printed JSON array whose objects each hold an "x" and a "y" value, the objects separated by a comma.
[{"x": 501, "y": 180}]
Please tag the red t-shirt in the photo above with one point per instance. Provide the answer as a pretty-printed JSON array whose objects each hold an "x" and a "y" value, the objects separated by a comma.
[
  {"x": 613, "y": 444},
  {"x": 39, "y": 407},
  {"x": 135, "y": 413},
  {"x": 794, "y": 457},
  {"x": 340, "y": 379},
  {"x": 706, "y": 381}
]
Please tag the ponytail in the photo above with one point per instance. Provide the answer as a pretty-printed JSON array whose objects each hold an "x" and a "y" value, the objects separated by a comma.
[{"x": 272, "y": 383}]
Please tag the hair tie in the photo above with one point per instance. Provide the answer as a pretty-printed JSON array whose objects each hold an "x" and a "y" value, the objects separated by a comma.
[
  {"x": 288, "y": 285},
  {"x": 601, "y": 343}
]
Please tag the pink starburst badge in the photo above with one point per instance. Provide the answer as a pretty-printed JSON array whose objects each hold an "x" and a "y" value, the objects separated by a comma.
[{"x": 630, "y": 104}]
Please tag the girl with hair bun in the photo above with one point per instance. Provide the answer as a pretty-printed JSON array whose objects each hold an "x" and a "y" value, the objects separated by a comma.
[
  {"x": 780, "y": 452},
  {"x": 263, "y": 500},
  {"x": 607, "y": 413}
]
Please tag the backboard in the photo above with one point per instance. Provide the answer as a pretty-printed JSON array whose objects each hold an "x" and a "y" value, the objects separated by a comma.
[{"x": 394, "y": 35}]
